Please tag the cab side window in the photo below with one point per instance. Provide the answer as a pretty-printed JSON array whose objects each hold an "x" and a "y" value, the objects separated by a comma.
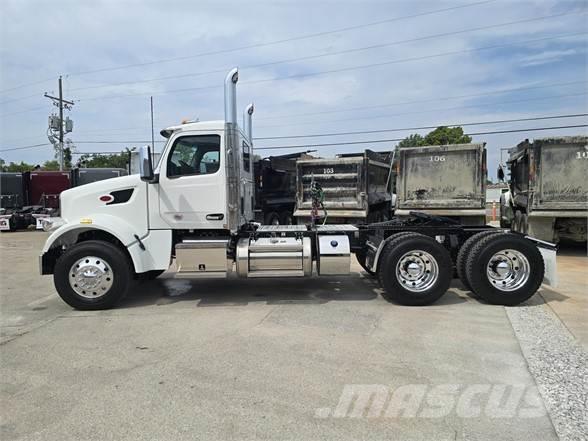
[{"x": 194, "y": 155}]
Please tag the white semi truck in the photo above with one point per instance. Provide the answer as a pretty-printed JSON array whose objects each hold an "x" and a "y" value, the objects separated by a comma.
[{"x": 195, "y": 206}]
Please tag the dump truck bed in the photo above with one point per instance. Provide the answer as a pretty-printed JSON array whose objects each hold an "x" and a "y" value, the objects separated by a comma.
[
  {"x": 445, "y": 177},
  {"x": 81, "y": 176},
  {"x": 351, "y": 185}
]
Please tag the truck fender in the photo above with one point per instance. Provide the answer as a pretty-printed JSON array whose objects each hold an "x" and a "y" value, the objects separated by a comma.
[{"x": 144, "y": 248}]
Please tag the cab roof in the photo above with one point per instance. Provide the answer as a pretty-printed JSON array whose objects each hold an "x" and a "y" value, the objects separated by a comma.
[{"x": 201, "y": 126}]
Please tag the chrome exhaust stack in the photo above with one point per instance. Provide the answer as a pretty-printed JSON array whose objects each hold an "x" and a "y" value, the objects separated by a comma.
[
  {"x": 231, "y": 96},
  {"x": 248, "y": 122}
]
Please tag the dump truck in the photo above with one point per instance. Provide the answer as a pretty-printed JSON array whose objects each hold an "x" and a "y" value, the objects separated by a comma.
[
  {"x": 548, "y": 189},
  {"x": 193, "y": 213},
  {"x": 82, "y": 176},
  {"x": 357, "y": 188},
  {"x": 275, "y": 188},
  {"x": 443, "y": 180}
]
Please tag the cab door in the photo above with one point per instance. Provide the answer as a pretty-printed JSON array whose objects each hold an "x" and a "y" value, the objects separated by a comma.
[{"x": 192, "y": 191}]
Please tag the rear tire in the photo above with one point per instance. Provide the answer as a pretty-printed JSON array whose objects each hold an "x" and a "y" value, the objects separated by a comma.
[
  {"x": 505, "y": 269},
  {"x": 464, "y": 252},
  {"x": 92, "y": 275},
  {"x": 414, "y": 270}
]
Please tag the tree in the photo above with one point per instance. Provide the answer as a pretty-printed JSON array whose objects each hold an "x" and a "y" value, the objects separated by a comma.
[
  {"x": 14, "y": 167},
  {"x": 115, "y": 160},
  {"x": 413, "y": 140},
  {"x": 440, "y": 136},
  {"x": 51, "y": 165},
  {"x": 447, "y": 135}
]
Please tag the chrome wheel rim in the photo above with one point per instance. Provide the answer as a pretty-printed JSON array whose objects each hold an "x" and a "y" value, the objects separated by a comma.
[
  {"x": 417, "y": 270},
  {"x": 91, "y": 277},
  {"x": 508, "y": 270}
]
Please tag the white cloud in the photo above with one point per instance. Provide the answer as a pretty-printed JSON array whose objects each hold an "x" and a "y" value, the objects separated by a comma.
[{"x": 546, "y": 57}]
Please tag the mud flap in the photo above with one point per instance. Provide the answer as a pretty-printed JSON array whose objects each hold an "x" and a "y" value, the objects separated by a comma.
[{"x": 548, "y": 251}]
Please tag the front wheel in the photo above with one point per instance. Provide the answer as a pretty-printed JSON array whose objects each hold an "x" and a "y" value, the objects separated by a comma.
[
  {"x": 92, "y": 275},
  {"x": 414, "y": 270}
]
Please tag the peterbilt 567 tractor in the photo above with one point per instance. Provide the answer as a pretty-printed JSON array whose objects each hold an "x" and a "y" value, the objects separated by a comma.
[{"x": 196, "y": 207}]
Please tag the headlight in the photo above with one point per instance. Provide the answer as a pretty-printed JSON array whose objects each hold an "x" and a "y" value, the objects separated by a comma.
[{"x": 52, "y": 223}]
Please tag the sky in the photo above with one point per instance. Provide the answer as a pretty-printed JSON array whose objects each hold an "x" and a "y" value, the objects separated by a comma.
[{"x": 310, "y": 67}]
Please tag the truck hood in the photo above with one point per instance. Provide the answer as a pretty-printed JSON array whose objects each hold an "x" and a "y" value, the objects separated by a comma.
[{"x": 106, "y": 196}]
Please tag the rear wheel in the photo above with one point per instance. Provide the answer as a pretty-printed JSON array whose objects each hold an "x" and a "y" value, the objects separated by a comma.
[
  {"x": 505, "y": 269},
  {"x": 464, "y": 252},
  {"x": 414, "y": 270},
  {"x": 92, "y": 275}
]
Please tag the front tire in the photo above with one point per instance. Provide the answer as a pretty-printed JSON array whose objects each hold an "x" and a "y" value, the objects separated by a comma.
[
  {"x": 92, "y": 275},
  {"x": 505, "y": 269},
  {"x": 414, "y": 270}
]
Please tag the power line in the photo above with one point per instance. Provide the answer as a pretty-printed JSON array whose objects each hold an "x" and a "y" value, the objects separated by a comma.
[
  {"x": 404, "y": 60},
  {"x": 345, "y": 69},
  {"x": 22, "y": 98},
  {"x": 364, "y": 132},
  {"x": 116, "y": 142},
  {"x": 429, "y": 100},
  {"x": 349, "y": 109},
  {"x": 285, "y": 40},
  {"x": 25, "y": 147},
  {"x": 311, "y": 145},
  {"x": 329, "y": 54},
  {"x": 20, "y": 112},
  {"x": 25, "y": 85},
  {"x": 439, "y": 109}
]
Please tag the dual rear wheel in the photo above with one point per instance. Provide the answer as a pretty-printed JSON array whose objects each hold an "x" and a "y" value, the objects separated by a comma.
[{"x": 501, "y": 268}]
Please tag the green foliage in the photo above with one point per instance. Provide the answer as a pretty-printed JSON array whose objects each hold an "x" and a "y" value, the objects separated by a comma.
[
  {"x": 413, "y": 140},
  {"x": 51, "y": 165},
  {"x": 115, "y": 160},
  {"x": 67, "y": 156},
  {"x": 447, "y": 135},
  {"x": 21, "y": 167},
  {"x": 16, "y": 167},
  {"x": 440, "y": 136}
]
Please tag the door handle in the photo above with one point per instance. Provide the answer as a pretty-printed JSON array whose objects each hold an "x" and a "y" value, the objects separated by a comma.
[
  {"x": 215, "y": 216},
  {"x": 178, "y": 216}
]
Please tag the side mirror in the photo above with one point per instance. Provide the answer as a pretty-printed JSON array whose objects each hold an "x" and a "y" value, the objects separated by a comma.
[
  {"x": 500, "y": 173},
  {"x": 145, "y": 164}
]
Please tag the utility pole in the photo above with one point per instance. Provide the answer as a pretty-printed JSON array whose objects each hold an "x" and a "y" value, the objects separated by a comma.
[{"x": 57, "y": 124}]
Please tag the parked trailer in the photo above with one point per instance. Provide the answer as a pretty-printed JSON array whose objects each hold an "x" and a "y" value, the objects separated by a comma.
[
  {"x": 548, "y": 189},
  {"x": 357, "y": 188},
  {"x": 82, "y": 176},
  {"x": 199, "y": 214},
  {"x": 444, "y": 180},
  {"x": 11, "y": 200},
  {"x": 275, "y": 188}
]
